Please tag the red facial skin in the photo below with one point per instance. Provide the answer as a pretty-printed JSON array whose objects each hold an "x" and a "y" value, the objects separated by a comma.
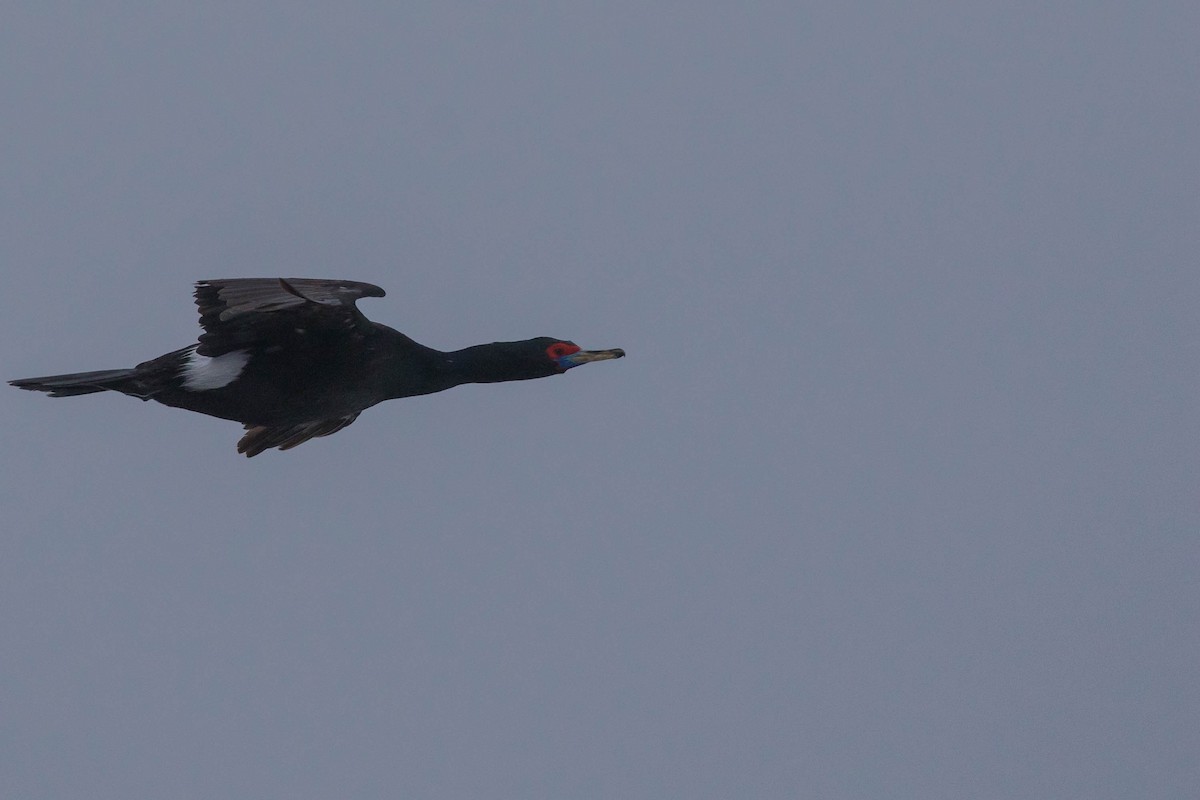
[{"x": 560, "y": 349}]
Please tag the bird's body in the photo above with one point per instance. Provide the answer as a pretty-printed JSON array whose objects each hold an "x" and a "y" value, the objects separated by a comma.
[{"x": 295, "y": 359}]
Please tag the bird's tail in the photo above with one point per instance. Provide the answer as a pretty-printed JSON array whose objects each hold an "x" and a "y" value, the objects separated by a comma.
[{"x": 117, "y": 380}]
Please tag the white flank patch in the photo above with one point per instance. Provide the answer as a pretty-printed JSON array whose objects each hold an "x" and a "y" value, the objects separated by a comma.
[{"x": 201, "y": 373}]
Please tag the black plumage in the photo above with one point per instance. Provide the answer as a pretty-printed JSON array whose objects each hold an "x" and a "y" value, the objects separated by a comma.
[{"x": 295, "y": 359}]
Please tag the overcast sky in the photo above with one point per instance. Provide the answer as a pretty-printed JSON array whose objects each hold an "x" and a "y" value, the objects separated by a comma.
[{"x": 896, "y": 495}]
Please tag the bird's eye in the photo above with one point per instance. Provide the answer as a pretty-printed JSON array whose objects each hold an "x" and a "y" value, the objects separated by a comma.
[{"x": 560, "y": 349}]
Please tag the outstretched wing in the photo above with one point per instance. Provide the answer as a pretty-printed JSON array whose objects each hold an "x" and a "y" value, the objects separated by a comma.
[
  {"x": 241, "y": 312},
  {"x": 262, "y": 437}
]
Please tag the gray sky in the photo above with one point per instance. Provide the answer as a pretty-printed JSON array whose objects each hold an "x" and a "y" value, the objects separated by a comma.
[{"x": 895, "y": 495}]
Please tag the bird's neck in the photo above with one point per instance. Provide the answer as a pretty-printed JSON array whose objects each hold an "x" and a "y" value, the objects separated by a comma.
[
  {"x": 481, "y": 363},
  {"x": 416, "y": 369},
  {"x": 408, "y": 368}
]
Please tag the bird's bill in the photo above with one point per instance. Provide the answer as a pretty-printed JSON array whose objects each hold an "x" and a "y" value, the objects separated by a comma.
[{"x": 587, "y": 356}]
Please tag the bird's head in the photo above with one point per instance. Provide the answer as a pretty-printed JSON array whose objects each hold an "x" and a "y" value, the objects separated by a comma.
[{"x": 562, "y": 355}]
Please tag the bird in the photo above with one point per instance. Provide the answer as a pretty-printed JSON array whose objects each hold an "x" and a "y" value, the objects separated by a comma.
[{"x": 294, "y": 358}]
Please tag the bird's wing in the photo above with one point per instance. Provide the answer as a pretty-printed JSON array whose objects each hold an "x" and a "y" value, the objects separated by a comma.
[
  {"x": 239, "y": 312},
  {"x": 261, "y": 437}
]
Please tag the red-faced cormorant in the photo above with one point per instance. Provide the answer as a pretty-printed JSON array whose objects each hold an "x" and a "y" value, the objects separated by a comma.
[{"x": 294, "y": 359}]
